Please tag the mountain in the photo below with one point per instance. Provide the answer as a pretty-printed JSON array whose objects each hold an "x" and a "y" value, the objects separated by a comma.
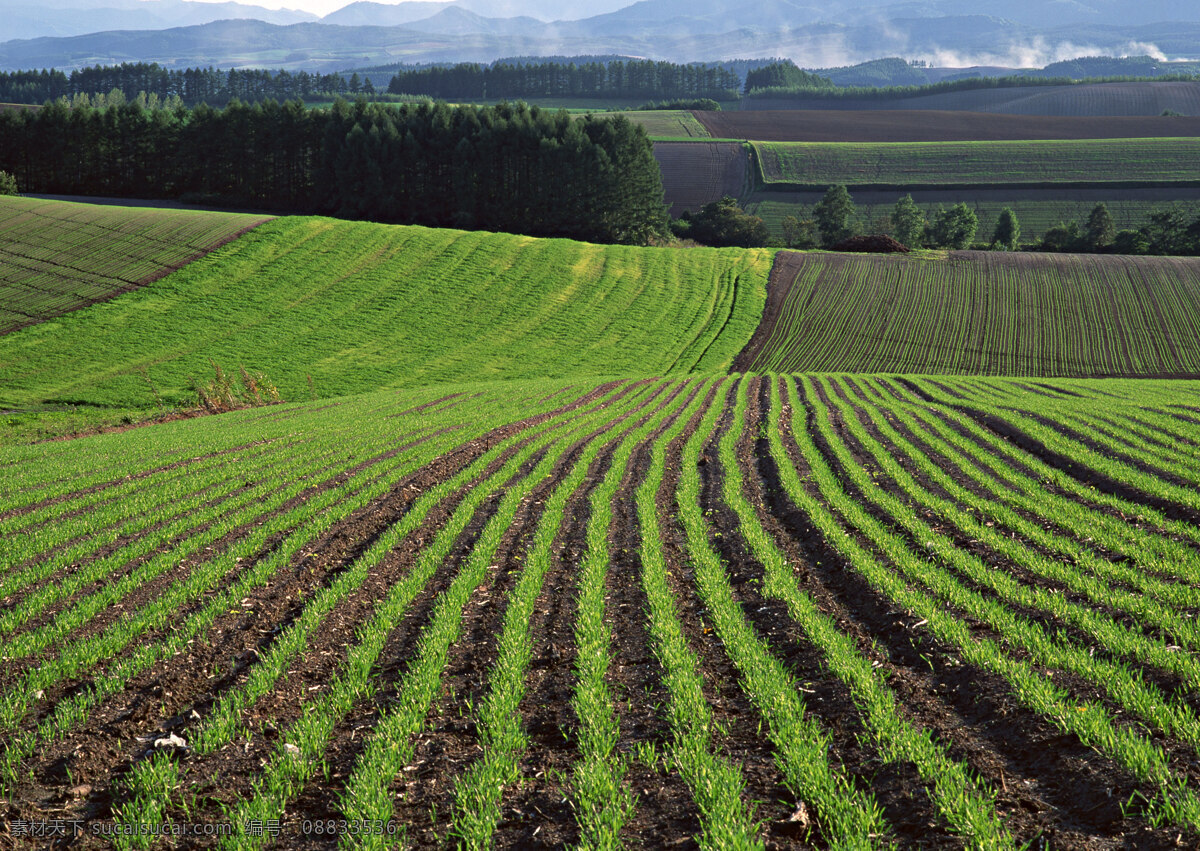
[
  {"x": 23, "y": 19},
  {"x": 814, "y": 34}
]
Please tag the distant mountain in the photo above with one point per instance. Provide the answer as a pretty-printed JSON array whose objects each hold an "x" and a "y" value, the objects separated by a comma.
[
  {"x": 814, "y": 33},
  {"x": 24, "y": 19}
]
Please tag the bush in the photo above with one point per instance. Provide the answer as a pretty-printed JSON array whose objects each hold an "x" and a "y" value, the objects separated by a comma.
[
  {"x": 8, "y": 184},
  {"x": 724, "y": 223}
]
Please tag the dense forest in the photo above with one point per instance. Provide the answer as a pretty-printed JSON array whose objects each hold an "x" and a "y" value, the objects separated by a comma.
[
  {"x": 633, "y": 79},
  {"x": 193, "y": 85},
  {"x": 507, "y": 168}
]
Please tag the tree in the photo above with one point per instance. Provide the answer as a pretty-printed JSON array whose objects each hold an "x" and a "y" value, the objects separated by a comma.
[
  {"x": 799, "y": 233},
  {"x": 1100, "y": 227},
  {"x": 8, "y": 184},
  {"x": 954, "y": 228},
  {"x": 908, "y": 222},
  {"x": 1131, "y": 242},
  {"x": 1007, "y": 232},
  {"x": 725, "y": 223},
  {"x": 1064, "y": 237},
  {"x": 1167, "y": 230},
  {"x": 836, "y": 216}
]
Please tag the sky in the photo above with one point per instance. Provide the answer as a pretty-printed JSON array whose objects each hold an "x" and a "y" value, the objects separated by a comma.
[{"x": 316, "y": 7}]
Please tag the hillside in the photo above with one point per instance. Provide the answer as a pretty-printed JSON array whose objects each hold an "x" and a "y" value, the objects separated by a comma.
[
  {"x": 359, "y": 306},
  {"x": 980, "y": 313},
  {"x": 57, "y": 257}
]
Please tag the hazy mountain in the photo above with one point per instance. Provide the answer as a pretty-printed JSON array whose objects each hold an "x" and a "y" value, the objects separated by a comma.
[
  {"x": 24, "y": 19},
  {"x": 814, "y": 34}
]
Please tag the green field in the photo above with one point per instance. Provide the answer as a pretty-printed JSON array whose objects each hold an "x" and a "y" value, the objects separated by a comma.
[
  {"x": 1091, "y": 161},
  {"x": 56, "y": 257},
  {"x": 669, "y": 124},
  {"x": 537, "y": 571},
  {"x": 982, "y": 313},
  {"x": 1035, "y": 217},
  {"x": 360, "y": 306}
]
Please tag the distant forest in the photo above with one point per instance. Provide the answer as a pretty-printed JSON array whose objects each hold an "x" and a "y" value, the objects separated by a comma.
[
  {"x": 507, "y": 168},
  {"x": 192, "y": 86},
  {"x": 632, "y": 79}
]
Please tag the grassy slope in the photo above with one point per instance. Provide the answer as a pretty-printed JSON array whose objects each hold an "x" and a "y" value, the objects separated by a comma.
[
  {"x": 56, "y": 256},
  {"x": 942, "y": 163},
  {"x": 987, "y": 314},
  {"x": 361, "y": 306}
]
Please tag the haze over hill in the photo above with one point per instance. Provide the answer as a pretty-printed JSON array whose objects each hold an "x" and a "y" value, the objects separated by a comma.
[{"x": 1020, "y": 33}]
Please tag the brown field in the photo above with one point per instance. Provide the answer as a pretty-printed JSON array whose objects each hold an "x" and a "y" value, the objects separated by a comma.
[
  {"x": 695, "y": 173},
  {"x": 862, "y": 124},
  {"x": 1101, "y": 99}
]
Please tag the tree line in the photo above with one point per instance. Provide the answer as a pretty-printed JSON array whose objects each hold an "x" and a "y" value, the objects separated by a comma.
[
  {"x": 213, "y": 86},
  {"x": 633, "y": 79},
  {"x": 1170, "y": 230},
  {"x": 510, "y": 167}
]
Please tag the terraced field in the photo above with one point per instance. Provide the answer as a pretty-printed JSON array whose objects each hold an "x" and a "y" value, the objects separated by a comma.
[
  {"x": 847, "y": 612},
  {"x": 925, "y": 164},
  {"x": 980, "y": 313},
  {"x": 56, "y": 257},
  {"x": 359, "y": 306}
]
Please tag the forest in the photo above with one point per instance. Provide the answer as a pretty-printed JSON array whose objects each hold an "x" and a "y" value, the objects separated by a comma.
[
  {"x": 213, "y": 86},
  {"x": 632, "y": 79},
  {"x": 510, "y": 167}
]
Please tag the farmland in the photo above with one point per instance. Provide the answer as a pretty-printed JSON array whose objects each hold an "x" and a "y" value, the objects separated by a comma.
[
  {"x": 669, "y": 123},
  {"x": 361, "y": 306},
  {"x": 1116, "y": 100},
  {"x": 57, "y": 257},
  {"x": 928, "y": 125},
  {"x": 695, "y": 173},
  {"x": 1041, "y": 163},
  {"x": 981, "y": 313},
  {"x": 847, "y": 611}
]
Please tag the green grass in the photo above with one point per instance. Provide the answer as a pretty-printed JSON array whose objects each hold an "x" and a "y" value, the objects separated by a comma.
[
  {"x": 56, "y": 257},
  {"x": 361, "y": 306},
  {"x": 669, "y": 123},
  {"x": 988, "y": 314},
  {"x": 984, "y": 163}
]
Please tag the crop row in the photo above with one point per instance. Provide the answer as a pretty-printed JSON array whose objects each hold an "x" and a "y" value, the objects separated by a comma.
[
  {"x": 982, "y": 314},
  {"x": 825, "y": 578},
  {"x": 951, "y": 163}
]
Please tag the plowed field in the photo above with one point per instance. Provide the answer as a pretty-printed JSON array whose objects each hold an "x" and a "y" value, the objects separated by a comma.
[
  {"x": 733, "y": 612},
  {"x": 855, "y": 124},
  {"x": 1118, "y": 100},
  {"x": 695, "y": 173}
]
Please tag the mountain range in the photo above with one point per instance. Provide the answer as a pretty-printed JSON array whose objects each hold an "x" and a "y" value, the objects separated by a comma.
[{"x": 181, "y": 33}]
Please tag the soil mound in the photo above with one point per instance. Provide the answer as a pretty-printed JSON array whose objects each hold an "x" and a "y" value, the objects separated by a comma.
[{"x": 876, "y": 244}]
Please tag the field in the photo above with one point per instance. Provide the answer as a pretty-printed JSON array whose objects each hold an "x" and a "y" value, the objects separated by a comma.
[
  {"x": 1037, "y": 210},
  {"x": 533, "y": 569},
  {"x": 1116, "y": 100},
  {"x": 695, "y": 173},
  {"x": 669, "y": 123},
  {"x": 926, "y": 125},
  {"x": 761, "y": 612},
  {"x": 1037, "y": 163},
  {"x": 57, "y": 257},
  {"x": 360, "y": 306},
  {"x": 980, "y": 313}
]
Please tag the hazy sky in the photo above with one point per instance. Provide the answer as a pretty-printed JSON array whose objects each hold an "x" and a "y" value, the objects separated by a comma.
[{"x": 316, "y": 7}]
